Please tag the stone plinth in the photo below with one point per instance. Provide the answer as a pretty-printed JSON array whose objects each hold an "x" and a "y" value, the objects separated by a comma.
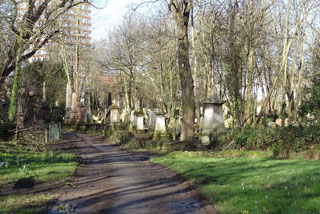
[
  {"x": 139, "y": 123},
  {"x": 81, "y": 113},
  {"x": 67, "y": 116},
  {"x": 160, "y": 131},
  {"x": 152, "y": 118},
  {"x": 114, "y": 112},
  {"x": 213, "y": 119}
]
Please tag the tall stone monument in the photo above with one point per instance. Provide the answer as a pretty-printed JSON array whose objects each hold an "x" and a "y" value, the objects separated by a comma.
[
  {"x": 114, "y": 112},
  {"x": 160, "y": 131},
  {"x": 152, "y": 118},
  {"x": 81, "y": 112},
  {"x": 140, "y": 124},
  {"x": 74, "y": 108},
  {"x": 213, "y": 123}
]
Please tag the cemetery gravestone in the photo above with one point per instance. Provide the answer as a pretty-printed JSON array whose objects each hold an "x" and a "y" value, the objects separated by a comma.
[
  {"x": 152, "y": 118},
  {"x": 140, "y": 125},
  {"x": 213, "y": 123},
  {"x": 160, "y": 128},
  {"x": 81, "y": 112},
  {"x": 54, "y": 131},
  {"x": 114, "y": 111}
]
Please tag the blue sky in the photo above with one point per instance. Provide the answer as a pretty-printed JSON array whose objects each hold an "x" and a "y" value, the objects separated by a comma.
[{"x": 110, "y": 15}]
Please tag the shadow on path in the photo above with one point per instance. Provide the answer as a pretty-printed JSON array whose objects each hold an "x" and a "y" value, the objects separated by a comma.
[{"x": 110, "y": 180}]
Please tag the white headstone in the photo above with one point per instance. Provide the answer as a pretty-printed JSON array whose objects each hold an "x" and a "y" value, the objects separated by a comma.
[
  {"x": 160, "y": 123},
  {"x": 152, "y": 117},
  {"x": 114, "y": 115},
  {"x": 140, "y": 122},
  {"x": 212, "y": 118}
]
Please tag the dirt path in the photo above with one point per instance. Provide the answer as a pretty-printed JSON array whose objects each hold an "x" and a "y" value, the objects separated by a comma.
[{"x": 111, "y": 180}]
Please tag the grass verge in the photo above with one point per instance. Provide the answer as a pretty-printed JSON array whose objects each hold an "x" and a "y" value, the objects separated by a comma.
[
  {"x": 25, "y": 203},
  {"x": 22, "y": 169},
  {"x": 244, "y": 185}
]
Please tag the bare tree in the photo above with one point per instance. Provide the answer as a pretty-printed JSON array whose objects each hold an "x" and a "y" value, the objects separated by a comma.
[
  {"x": 181, "y": 11},
  {"x": 37, "y": 24}
]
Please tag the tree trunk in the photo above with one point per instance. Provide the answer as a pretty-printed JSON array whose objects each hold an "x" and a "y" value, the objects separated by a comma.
[
  {"x": 250, "y": 101},
  {"x": 15, "y": 83},
  {"x": 186, "y": 80}
]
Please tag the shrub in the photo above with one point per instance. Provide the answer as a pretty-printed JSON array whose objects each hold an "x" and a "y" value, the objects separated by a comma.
[
  {"x": 279, "y": 140},
  {"x": 311, "y": 103},
  {"x": 5, "y": 124}
]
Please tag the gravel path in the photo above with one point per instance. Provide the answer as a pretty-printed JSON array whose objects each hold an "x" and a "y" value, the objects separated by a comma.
[{"x": 111, "y": 180}]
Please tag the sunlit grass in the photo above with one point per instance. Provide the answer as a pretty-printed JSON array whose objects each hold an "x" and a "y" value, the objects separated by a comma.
[
  {"x": 242, "y": 185},
  {"x": 29, "y": 167},
  {"x": 42, "y": 166},
  {"x": 24, "y": 204}
]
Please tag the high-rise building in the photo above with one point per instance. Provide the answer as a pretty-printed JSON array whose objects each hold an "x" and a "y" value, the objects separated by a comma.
[
  {"x": 71, "y": 45},
  {"x": 75, "y": 33}
]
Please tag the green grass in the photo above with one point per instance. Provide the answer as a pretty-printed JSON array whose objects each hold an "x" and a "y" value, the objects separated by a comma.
[
  {"x": 27, "y": 167},
  {"x": 243, "y": 185},
  {"x": 24, "y": 203}
]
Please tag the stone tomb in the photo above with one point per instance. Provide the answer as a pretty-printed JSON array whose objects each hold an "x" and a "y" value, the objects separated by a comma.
[
  {"x": 160, "y": 131},
  {"x": 139, "y": 122},
  {"x": 213, "y": 123},
  {"x": 152, "y": 118},
  {"x": 81, "y": 112},
  {"x": 114, "y": 112}
]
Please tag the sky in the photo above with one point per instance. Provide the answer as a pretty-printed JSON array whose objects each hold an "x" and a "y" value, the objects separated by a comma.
[{"x": 110, "y": 15}]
